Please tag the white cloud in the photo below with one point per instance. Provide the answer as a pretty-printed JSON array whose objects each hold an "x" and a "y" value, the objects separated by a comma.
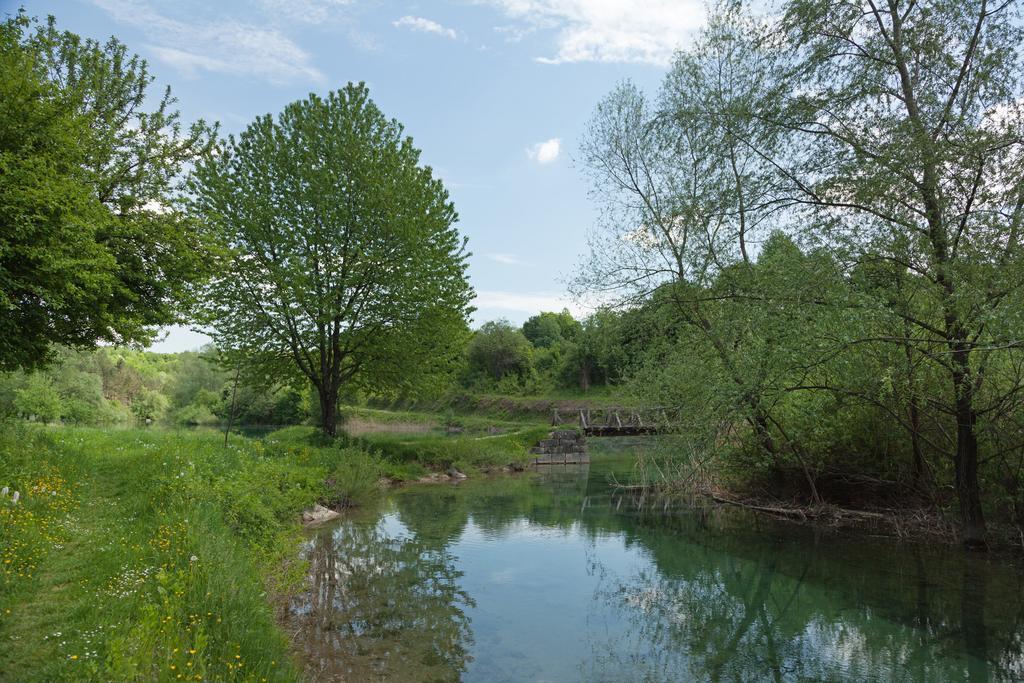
[
  {"x": 608, "y": 30},
  {"x": 425, "y": 26},
  {"x": 545, "y": 152},
  {"x": 221, "y": 46},
  {"x": 306, "y": 11},
  {"x": 523, "y": 302},
  {"x": 507, "y": 259}
]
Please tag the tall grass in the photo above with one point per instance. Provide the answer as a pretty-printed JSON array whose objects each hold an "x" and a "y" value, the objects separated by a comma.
[
  {"x": 139, "y": 555},
  {"x": 408, "y": 455},
  {"x": 405, "y": 455}
]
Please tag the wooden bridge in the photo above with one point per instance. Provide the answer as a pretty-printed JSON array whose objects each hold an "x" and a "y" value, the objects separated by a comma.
[
  {"x": 569, "y": 446},
  {"x": 618, "y": 421}
]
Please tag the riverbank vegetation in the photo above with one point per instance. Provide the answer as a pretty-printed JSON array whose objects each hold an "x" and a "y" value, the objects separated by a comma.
[
  {"x": 820, "y": 215},
  {"x": 809, "y": 250},
  {"x": 148, "y": 555}
]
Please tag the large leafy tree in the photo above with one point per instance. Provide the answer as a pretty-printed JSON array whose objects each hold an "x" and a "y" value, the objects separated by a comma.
[
  {"x": 547, "y": 329},
  {"x": 499, "y": 350},
  {"x": 894, "y": 132},
  {"x": 687, "y": 193},
  {"x": 92, "y": 247},
  {"x": 914, "y": 162},
  {"x": 344, "y": 263}
]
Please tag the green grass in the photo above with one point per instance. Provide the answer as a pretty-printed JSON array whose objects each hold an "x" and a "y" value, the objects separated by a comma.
[
  {"x": 148, "y": 555},
  {"x": 411, "y": 455},
  {"x": 403, "y": 456},
  {"x": 484, "y": 408},
  {"x": 140, "y": 555},
  {"x": 485, "y": 441},
  {"x": 437, "y": 421}
]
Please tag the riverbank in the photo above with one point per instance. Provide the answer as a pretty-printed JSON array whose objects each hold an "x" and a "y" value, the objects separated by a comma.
[
  {"x": 161, "y": 555},
  {"x": 871, "y": 508},
  {"x": 145, "y": 555},
  {"x": 451, "y": 582}
]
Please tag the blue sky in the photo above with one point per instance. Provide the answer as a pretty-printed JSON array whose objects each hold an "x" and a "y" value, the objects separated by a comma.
[{"x": 496, "y": 93}]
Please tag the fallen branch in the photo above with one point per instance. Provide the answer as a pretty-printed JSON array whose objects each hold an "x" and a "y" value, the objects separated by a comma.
[{"x": 786, "y": 512}]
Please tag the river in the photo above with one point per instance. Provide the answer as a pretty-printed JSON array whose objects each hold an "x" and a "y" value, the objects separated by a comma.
[{"x": 550, "y": 577}]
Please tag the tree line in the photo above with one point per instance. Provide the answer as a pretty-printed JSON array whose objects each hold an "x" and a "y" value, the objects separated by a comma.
[
  {"x": 550, "y": 353},
  {"x": 809, "y": 238},
  {"x": 826, "y": 204},
  {"x": 122, "y": 387},
  {"x": 314, "y": 246}
]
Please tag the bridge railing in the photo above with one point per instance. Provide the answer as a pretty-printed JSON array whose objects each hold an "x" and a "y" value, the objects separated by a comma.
[{"x": 609, "y": 419}]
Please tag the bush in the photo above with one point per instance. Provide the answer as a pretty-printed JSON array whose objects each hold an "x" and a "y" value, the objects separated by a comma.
[
  {"x": 195, "y": 414},
  {"x": 37, "y": 399}
]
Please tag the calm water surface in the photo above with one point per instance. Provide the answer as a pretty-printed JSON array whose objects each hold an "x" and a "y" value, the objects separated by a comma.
[{"x": 549, "y": 577}]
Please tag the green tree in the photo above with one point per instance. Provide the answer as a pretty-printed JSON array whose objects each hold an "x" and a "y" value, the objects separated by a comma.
[
  {"x": 684, "y": 193},
  {"x": 93, "y": 248},
  {"x": 196, "y": 377},
  {"x": 344, "y": 266},
  {"x": 80, "y": 387},
  {"x": 546, "y": 329},
  {"x": 149, "y": 405},
  {"x": 37, "y": 398},
  {"x": 598, "y": 355},
  {"x": 912, "y": 153},
  {"x": 498, "y": 350}
]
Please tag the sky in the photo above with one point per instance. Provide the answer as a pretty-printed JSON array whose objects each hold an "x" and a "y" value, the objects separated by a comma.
[{"x": 496, "y": 94}]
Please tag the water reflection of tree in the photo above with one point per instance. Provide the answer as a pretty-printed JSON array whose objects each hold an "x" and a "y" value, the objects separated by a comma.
[
  {"x": 725, "y": 596},
  {"x": 436, "y": 515},
  {"x": 381, "y": 608},
  {"x": 718, "y": 616}
]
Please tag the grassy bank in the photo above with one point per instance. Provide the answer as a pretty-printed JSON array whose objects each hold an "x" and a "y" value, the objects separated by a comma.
[
  {"x": 513, "y": 408},
  {"x": 411, "y": 444},
  {"x": 412, "y": 456},
  {"x": 158, "y": 555},
  {"x": 145, "y": 555}
]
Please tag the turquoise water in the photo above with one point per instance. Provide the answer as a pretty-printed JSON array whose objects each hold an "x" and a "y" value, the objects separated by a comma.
[{"x": 551, "y": 577}]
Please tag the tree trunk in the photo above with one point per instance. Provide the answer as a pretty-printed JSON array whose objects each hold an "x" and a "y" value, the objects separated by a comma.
[
  {"x": 966, "y": 463},
  {"x": 759, "y": 421},
  {"x": 231, "y": 412},
  {"x": 915, "y": 412},
  {"x": 585, "y": 376},
  {"x": 329, "y": 411},
  {"x": 915, "y": 443}
]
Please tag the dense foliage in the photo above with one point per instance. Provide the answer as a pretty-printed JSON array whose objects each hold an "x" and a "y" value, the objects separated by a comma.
[
  {"x": 551, "y": 353},
  {"x": 826, "y": 209},
  {"x": 810, "y": 243},
  {"x": 120, "y": 387},
  {"x": 93, "y": 247},
  {"x": 345, "y": 268}
]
